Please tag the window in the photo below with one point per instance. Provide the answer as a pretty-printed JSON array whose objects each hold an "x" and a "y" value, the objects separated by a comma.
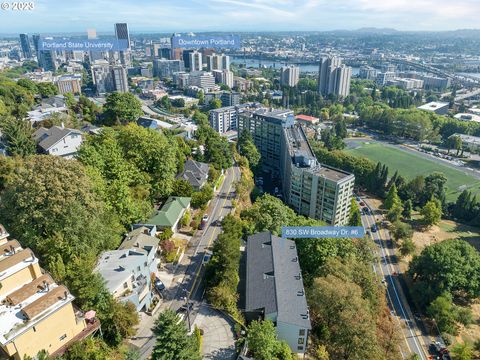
[
  {"x": 63, "y": 337},
  {"x": 301, "y": 332},
  {"x": 301, "y": 341},
  {"x": 34, "y": 329},
  {"x": 300, "y": 348}
]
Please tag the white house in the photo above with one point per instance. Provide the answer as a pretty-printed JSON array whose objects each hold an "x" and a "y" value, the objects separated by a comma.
[{"x": 58, "y": 141}]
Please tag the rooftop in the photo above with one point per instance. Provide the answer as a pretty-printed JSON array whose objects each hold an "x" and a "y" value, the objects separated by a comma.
[
  {"x": 467, "y": 117},
  {"x": 432, "y": 106},
  {"x": 274, "y": 280},
  {"x": 308, "y": 118},
  {"x": 117, "y": 266},
  {"x": 46, "y": 138},
  {"x": 137, "y": 239},
  {"x": 303, "y": 156},
  {"x": 170, "y": 212},
  {"x": 29, "y": 303}
]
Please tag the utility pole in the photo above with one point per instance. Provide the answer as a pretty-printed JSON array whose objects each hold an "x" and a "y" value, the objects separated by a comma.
[{"x": 187, "y": 305}]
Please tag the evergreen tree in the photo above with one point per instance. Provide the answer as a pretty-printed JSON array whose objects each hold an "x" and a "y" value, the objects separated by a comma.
[{"x": 172, "y": 340}]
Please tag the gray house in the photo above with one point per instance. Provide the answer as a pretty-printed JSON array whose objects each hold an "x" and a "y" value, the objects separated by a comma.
[
  {"x": 195, "y": 172},
  {"x": 274, "y": 288}
]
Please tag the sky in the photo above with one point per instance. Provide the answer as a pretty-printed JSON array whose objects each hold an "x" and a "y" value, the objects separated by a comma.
[{"x": 57, "y": 16}]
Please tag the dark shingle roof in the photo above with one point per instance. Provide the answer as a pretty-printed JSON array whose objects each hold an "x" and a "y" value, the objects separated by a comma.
[
  {"x": 274, "y": 280},
  {"x": 195, "y": 172},
  {"x": 46, "y": 138}
]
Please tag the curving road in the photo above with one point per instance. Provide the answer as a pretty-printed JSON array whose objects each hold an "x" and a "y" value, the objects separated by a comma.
[{"x": 415, "y": 341}]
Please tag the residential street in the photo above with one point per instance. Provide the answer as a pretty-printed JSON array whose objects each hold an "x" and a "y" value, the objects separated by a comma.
[
  {"x": 415, "y": 339},
  {"x": 188, "y": 277}
]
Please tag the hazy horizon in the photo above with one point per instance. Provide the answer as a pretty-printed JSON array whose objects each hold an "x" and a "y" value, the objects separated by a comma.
[{"x": 55, "y": 16}]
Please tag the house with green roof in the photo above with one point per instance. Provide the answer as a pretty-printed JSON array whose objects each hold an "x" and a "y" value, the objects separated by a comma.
[{"x": 170, "y": 214}]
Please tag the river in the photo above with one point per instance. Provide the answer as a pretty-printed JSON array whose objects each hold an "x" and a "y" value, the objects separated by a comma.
[{"x": 256, "y": 63}]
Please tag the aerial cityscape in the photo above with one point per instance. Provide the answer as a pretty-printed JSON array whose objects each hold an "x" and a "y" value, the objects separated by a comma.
[{"x": 240, "y": 179}]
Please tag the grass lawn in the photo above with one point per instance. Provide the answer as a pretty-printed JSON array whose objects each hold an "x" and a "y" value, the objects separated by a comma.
[{"x": 410, "y": 165}]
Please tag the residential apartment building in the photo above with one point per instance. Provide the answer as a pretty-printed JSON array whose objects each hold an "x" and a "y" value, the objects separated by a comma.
[
  {"x": 109, "y": 78},
  {"x": 266, "y": 127},
  {"x": 334, "y": 77},
  {"x": 384, "y": 77},
  {"x": 312, "y": 189},
  {"x": 274, "y": 288},
  {"x": 218, "y": 62},
  {"x": 35, "y": 312},
  {"x": 202, "y": 79},
  {"x": 195, "y": 61},
  {"x": 367, "y": 72},
  {"x": 127, "y": 275},
  {"x": 163, "y": 68},
  {"x": 70, "y": 84},
  {"x": 120, "y": 80},
  {"x": 223, "y": 119},
  {"x": 228, "y": 98},
  {"x": 224, "y": 77},
  {"x": 289, "y": 75}
]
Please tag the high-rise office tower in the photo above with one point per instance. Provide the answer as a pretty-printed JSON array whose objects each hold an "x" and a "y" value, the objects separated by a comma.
[
  {"x": 289, "y": 75},
  {"x": 121, "y": 33},
  {"x": 186, "y": 57},
  {"x": 35, "y": 39},
  {"x": 25, "y": 44},
  {"x": 195, "y": 61},
  {"x": 47, "y": 60},
  {"x": 119, "y": 76},
  {"x": 333, "y": 77}
]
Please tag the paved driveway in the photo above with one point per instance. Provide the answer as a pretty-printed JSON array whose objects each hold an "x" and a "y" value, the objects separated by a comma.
[{"x": 218, "y": 338}]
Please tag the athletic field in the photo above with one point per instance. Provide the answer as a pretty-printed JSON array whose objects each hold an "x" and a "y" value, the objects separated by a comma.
[{"x": 410, "y": 165}]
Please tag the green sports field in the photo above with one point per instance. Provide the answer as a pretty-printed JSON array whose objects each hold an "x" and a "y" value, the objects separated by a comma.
[{"x": 410, "y": 165}]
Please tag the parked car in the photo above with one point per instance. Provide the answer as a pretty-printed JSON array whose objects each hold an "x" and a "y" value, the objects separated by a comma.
[
  {"x": 159, "y": 285},
  {"x": 362, "y": 203},
  {"x": 374, "y": 228},
  {"x": 203, "y": 223}
]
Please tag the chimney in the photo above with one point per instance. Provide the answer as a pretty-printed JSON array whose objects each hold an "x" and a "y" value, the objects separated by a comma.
[
  {"x": 65, "y": 294},
  {"x": 46, "y": 286},
  {"x": 32, "y": 255},
  {"x": 12, "y": 249},
  {"x": 62, "y": 125}
]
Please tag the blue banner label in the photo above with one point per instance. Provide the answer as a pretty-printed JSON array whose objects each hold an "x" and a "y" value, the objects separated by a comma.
[
  {"x": 296, "y": 232},
  {"x": 206, "y": 41},
  {"x": 83, "y": 44}
]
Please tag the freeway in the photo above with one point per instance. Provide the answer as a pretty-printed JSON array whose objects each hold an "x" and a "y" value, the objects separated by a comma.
[
  {"x": 191, "y": 267},
  {"x": 414, "y": 341}
]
